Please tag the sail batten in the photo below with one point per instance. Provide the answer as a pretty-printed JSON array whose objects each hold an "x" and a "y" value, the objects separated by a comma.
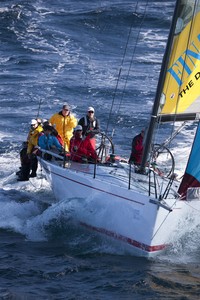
[{"x": 178, "y": 117}]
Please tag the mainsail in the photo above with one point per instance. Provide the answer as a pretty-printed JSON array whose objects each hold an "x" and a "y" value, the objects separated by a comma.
[
  {"x": 177, "y": 97},
  {"x": 180, "y": 98}
]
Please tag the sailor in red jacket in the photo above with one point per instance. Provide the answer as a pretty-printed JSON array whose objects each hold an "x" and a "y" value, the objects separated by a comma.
[
  {"x": 137, "y": 149},
  {"x": 81, "y": 147}
]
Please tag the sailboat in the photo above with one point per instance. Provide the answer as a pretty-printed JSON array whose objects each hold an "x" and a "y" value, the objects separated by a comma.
[{"x": 142, "y": 207}]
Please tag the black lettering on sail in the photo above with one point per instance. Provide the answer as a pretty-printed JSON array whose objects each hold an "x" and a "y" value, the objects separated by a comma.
[{"x": 197, "y": 75}]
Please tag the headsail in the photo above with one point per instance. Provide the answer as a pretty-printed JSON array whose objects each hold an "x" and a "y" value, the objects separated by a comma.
[
  {"x": 180, "y": 99},
  {"x": 191, "y": 177}
]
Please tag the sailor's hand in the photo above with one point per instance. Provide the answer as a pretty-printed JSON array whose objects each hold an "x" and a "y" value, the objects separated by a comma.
[
  {"x": 62, "y": 152},
  {"x": 88, "y": 132},
  {"x": 75, "y": 148},
  {"x": 35, "y": 152}
]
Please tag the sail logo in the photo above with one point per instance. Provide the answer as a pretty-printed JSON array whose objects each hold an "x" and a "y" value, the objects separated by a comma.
[
  {"x": 182, "y": 81},
  {"x": 185, "y": 66}
]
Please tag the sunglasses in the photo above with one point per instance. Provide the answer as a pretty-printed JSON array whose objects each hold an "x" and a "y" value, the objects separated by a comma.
[
  {"x": 91, "y": 112},
  {"x": 65, "y": 109}
]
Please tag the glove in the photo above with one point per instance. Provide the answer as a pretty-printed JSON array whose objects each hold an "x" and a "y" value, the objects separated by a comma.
[
  {"x": 95, "y": 131},
  {"x": 88, "y": 132},
  {"x": 75, "y": 148}
]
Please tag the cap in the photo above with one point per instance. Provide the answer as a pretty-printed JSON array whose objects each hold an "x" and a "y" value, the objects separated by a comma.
[
  {"x": 90, "y": 108},
  {"x": 66, "y": 106},
  {"x": 45, "y": 122},
  {"x": 33, "y": 122},
  {"x": 78, "y": 127}
]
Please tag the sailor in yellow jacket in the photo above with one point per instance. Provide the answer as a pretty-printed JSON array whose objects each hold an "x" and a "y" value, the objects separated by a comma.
[
  {"x": 64, "y": 122},
  {"x": 29, "y": 160},
  {"x": 33, "y": 135}
]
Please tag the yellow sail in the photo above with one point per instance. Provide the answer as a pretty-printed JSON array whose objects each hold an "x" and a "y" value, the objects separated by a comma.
[{"x": 181, "y": 91}]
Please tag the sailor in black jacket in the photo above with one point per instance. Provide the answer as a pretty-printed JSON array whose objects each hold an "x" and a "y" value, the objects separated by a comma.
[{"x": 90, "y": 125}]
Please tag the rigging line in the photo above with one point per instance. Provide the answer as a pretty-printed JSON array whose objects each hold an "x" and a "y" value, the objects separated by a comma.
[
  {"x": 160, "y": 225},
  {"x": 119, "y": 73},
  {"x": 134, "y": 50},
  {"x": 36, "y": 186},
  {"x": 173, "y": 135},
  {"x": 39, "y": 106},
  {"x": 163, "y": 221},
  {"x": 186, "y": 203}
]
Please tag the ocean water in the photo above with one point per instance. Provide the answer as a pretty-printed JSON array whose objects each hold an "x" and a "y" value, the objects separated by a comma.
[{"x": 105, "y": 54}]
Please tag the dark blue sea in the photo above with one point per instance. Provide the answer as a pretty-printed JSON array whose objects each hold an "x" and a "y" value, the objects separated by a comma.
[{"x": 106, "y": 54}]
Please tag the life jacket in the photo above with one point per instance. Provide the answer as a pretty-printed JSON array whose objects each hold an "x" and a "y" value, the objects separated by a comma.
[
  {"x": 80, "y": 147},
  {"x": 77, "y": 149},
  {"x": 93, "y": 123},
  {"x": 33, "y": 138}
]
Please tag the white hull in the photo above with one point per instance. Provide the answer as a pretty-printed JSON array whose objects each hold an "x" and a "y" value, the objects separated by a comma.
[{"x": 142, "y": 224}]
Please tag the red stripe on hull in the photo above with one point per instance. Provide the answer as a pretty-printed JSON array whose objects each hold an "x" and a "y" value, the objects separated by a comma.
[{"x": 129, "y": 241}]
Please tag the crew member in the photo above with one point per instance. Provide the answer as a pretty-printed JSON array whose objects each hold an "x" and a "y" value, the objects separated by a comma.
[
  {"x": 64, "y": 122},
  {"x": 90, "y": 125},
  {"x": 137, "y": 149},
  {"x": 80, "y": 148}
]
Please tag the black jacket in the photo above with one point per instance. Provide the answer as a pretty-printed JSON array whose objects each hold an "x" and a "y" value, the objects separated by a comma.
[{"x": 88, "y": 125}]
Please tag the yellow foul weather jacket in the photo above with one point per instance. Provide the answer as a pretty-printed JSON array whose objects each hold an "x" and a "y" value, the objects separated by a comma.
[
  {"x": 64, "y": 126},
  {"x": 33, "y": 138}
]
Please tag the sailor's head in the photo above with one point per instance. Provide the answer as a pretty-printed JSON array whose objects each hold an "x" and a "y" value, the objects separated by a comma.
[
  {"x": 34, "y": 123},
  {"x": 65, "y": 110},
  {"x": 78, "y": 128},
  {"x": 90, "y": 110},
  {"x": 47, "y": 129}
]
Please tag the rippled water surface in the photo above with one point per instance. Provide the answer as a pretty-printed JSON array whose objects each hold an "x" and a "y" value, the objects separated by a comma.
[{"x": 74, "y": 51}]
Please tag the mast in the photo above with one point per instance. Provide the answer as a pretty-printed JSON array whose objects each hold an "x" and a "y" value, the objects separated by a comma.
[{"x": 154, "y": 114}]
